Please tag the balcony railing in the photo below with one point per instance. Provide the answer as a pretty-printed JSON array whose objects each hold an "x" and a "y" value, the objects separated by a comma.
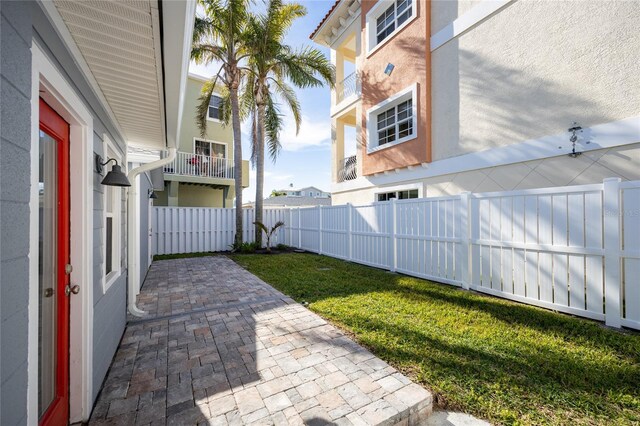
[
  {"x": 349, "y": 169},
  {"x": 348, "y": 87},
  {"x": 188, "y": 164}
]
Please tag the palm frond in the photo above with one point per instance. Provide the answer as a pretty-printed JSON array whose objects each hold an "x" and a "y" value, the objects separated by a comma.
[
  {"x": 273, "y": 124},
  {"x": 202, "y": 109},
  {"x": 262, "y": 226}
]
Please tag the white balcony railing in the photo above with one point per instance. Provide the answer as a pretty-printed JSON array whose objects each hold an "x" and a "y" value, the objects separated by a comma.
[
  {"x": 348, "y": 87},
  {"x": 349, "y": 169},
  {"x": 188, "y": 164}
]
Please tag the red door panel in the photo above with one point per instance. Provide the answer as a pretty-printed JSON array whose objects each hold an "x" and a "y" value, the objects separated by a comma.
[{"x": 54, "y": 189}]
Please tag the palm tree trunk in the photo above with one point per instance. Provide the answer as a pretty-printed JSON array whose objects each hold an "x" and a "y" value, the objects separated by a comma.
[
  {"x": 260, "y": 171},
  {"x": 237, "y": 161}
]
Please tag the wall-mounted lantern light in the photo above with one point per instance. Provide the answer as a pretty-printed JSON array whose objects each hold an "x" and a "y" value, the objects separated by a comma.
[
  {"x": 152, "y": 194},
  {"x": 574, "y": 130},
  {"x": 115, "y": 177},
  {"x": 389, "y": 69}
]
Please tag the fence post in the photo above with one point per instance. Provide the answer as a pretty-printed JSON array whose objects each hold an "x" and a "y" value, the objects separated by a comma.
[
  {"x": 299, "y": 229},
  {"x": 289, "y": 233},
  {"x": 465, "y": 234},
  {"x": 349, "y": 230},
  {"x": 612, "y": 264},
  {"x": 319, "y": 229},
  {"x": 394, "y": 241}
]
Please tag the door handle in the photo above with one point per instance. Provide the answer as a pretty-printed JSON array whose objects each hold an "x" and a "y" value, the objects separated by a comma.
[{"x": 75, "y": 289}]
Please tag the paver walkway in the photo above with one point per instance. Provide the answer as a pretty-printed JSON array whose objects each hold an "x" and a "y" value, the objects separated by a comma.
[{"x": 220, "y": 346}]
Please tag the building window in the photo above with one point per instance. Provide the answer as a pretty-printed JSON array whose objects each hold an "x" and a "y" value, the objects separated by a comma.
[
  {"x": 400, "y": 195},
  {"x": 215, "y": 104},
  {"x": 392, "y": 121},
  {"x": 395, "y": 123},
  {"x": 112, "y": 225},
  {"x": 387, "y": 18},
  {"x": 210, "y": 149}
]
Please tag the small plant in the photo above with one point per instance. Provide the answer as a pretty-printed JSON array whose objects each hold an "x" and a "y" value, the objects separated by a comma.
[
  {"x": 269, "y": 232},
  {"x": 244, "y": 247},
  {"x": 282, "y": 247}
]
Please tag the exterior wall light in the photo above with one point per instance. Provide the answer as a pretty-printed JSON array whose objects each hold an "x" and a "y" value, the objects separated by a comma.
[
  {"x": 115, "y": 177},
  {"x": 574, "y": 129},
  {"x": 152, "y": 194}
]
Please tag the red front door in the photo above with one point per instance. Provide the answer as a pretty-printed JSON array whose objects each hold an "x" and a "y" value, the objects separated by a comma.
[{"x": 53, "y": 269}]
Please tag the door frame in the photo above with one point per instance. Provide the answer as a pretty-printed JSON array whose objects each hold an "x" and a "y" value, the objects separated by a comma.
[
  {"x": 49, "y": 84},
  {"x": 58, "y": 409}
]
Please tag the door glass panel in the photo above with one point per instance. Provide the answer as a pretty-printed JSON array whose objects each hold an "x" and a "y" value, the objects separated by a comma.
[{"x": 47, "y": 271}]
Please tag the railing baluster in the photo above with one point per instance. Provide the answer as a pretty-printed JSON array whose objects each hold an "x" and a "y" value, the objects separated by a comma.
[
  {"x": 188, "y": 164},
  {"x": 349, "y": 169}
]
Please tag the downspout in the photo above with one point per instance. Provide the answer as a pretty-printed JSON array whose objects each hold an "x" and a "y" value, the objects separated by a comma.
[{"x": 132, "y": 230}]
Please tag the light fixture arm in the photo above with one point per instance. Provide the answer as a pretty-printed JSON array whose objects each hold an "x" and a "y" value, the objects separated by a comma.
[{"x": 100, "y": 165}]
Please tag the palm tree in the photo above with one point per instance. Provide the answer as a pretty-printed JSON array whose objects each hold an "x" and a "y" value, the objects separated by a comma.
[
  {"x": 272, "y": 64},
  {"x": 220, "y": 37}
]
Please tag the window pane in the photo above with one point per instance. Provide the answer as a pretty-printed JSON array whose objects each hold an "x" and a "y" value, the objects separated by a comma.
[
  {"x": 405, "y": 129},
  {"x": 214, "y": 107},
  {"x": 109, "y": 198},
  {"x": 109, "y": 247},
  {"x": 214, "y": 113},
  {"x": 47, "y": 270},
  {"x": 403, "y": 17},
  {"x": 413, "y": 193}
]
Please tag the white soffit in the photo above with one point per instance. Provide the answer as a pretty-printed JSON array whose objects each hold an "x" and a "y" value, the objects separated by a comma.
[{"x": 120, "y": 42}]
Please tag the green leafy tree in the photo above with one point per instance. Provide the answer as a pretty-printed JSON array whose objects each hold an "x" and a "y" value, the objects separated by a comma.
[
  {"x": 220, "y": 37},
  {"x": 272, "y": 66}
]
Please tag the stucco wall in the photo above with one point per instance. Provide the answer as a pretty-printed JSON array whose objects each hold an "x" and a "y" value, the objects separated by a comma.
[
  {"x": 409, "y": 53},
  {"x": 15, "y": 163},
  {"x": 531, "y": 70},
  {"x": 200, "y": 196}
]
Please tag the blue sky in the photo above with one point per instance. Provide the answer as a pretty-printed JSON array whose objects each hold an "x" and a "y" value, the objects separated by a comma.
[{"x": 305, "y": 158}]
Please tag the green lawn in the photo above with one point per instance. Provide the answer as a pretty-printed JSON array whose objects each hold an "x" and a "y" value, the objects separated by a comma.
[{"x": 502, "y": 361}]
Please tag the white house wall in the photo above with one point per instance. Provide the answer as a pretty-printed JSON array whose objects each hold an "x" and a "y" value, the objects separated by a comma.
[
  {"x": 518, "y": 77},
  {"x": 531, "y": 70}
]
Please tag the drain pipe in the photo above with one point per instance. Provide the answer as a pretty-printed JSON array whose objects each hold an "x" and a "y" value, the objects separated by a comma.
[{"x": 132, "y": 230}]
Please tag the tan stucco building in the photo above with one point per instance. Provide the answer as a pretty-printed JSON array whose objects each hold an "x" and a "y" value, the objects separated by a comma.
[
  {"x": 202, "y": 174},
  {"x": 443, "y": 97}
]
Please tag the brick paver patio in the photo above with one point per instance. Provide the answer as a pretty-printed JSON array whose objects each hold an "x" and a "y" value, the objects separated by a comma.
[{"x": 220, "y": 346}]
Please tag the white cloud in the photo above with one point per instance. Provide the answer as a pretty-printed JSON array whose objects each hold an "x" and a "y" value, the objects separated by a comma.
[{"x": 313, "y": 133}]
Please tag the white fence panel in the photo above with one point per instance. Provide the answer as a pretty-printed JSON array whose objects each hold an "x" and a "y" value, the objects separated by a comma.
[
  {"x": 630, "y": 218},
  {"x": 371, "y": 233},
  {"x": 335, "y": 238},
  {"x": 538, "y": 246},
  {"x": 309, "y": 229},
  {"x": 573, "y": 249}
]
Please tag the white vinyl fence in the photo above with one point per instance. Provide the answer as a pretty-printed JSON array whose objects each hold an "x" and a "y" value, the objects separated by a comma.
[{"x": 573, "y": 249}]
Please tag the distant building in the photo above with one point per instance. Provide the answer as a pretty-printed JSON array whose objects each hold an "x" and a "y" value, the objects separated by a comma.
[
  {"x": 310, "y": 191},
  {"x": 309, "y": 196}
]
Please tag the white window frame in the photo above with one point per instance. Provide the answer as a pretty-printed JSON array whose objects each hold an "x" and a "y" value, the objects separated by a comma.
[
  {"x": 410, "y": 92},
  {"x": 226, "y": 146},
  {"x": 407, "y": 187},
  {"x": 209, "y": 118},
  {"x": 371, "y": 24},
  {"x": 111, "y": 151}
]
